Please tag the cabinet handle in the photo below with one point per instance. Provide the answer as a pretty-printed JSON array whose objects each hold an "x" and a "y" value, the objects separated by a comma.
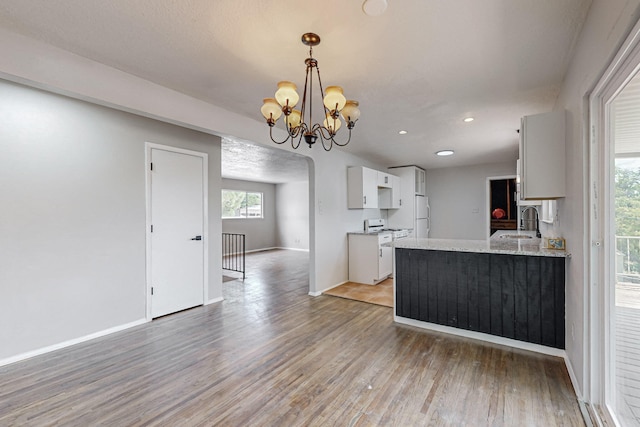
[
  {"x": 380, "y": 252},
  {"x": 365, "y": 200},
  {"x": 400, "y": 202},
  {"x": 386, "y": 179}
]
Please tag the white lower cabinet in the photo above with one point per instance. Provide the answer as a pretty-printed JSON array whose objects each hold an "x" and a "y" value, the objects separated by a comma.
[{"x": 370, "y": 262}]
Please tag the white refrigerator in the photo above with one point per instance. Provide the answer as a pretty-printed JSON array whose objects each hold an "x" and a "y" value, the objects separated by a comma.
[{"x": 422, "y": 220}]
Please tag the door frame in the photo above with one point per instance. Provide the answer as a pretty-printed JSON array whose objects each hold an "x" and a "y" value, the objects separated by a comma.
[
  {"x": 599, "y": 264},
  {"x": 205, "y": 218}
]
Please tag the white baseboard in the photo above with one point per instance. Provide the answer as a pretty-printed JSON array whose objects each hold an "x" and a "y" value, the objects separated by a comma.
[
  {"x": 335, "y": 286},
  {"x": 573, "y": 378},
  {"x": 261, "y": 250},
  {"x": 69, "y": 343},
  {"x": 214, "y": 300},
  {"x": 316, "y": 294},
  {"x": 267, "y": 249},
  {"x": 483, "y": 337}
]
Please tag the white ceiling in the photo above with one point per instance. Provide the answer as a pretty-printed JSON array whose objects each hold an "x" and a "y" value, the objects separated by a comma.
[
  {"x": 255, "y": 162},
  {"x": 421, "y": 66}
]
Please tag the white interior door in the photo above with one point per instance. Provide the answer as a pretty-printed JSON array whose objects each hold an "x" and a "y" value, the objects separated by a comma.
[{"x": 177, "y": 237}]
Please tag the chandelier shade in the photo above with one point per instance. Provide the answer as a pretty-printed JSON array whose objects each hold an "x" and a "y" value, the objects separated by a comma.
[
  {"x": 334, "y": 100},
  {"x": 299, "y": 124},
  {"x": 271, "y": 110},
  {"x": 286, "y": 94}
]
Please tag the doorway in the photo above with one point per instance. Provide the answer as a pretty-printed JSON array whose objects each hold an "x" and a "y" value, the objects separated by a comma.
[
  {"x": 502, "y": 204},
  {"x": 176, "y": 235}
]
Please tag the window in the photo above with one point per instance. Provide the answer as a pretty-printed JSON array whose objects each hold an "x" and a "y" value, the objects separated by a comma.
[{"x": 241, "y": 204}]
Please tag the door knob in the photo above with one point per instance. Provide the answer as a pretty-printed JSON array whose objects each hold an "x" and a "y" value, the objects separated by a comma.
[{"x": 197, "y": 238}]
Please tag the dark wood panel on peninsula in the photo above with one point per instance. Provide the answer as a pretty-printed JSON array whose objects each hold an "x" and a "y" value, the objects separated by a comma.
[{"x": 513, "y": 296}]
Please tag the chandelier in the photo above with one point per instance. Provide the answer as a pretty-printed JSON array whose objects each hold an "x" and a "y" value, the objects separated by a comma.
[{"x": 299, "y": 123}]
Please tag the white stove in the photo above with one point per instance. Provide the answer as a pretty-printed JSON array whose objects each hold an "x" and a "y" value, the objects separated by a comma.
[{"x": 378, "y": 225}]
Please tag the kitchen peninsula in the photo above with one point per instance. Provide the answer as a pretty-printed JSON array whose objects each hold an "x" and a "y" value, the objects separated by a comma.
[{"x": 505, "y": 286}]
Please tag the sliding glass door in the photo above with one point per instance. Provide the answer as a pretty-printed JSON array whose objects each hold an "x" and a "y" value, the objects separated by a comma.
[
  {"x": 623, "y": 318},
  {"x": 613, "y": 363}
]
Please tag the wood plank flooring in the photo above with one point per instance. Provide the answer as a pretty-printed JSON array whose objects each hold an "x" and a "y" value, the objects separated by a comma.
[{"x": 270, "y": 355}]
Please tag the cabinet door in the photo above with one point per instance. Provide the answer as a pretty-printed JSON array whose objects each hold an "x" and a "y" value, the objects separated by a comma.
[
  {"x": 396, "y": 192},
  {"x": 403, "y": 217},
  {"x": 362, "y": 188},
  {"x": 369, "y": 188},
  {"x": 385, "y": 258},
  {"x": 421, "y": 182},
  {"x": 542, "y": 156},
  {"x": 384, "y": 180}
]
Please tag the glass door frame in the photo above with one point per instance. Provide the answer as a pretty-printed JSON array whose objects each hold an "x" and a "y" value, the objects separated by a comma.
[{"x": 599, "y": 213}]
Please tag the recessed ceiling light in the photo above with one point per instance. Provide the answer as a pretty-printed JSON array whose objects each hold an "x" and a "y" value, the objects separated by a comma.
[
  {"x": 403, "y": 132},
  {"x": 468, "y": 119},
  {"x": 444, "y": 153}
]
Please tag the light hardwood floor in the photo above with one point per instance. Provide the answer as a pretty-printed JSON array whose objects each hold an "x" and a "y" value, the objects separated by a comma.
[
  {"x": 270, "y": 355},
  {"x": 381, "y": 294}
]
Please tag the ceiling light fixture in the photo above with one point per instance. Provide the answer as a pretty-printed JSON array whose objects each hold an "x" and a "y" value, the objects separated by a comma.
[
  {"x": 468, "y": 119},
  {"x": 374, "y": 7},
  {"x": 335, "y": 105},
  {"x": 403, "y": 132},
  {"x": 444, "y": 153}
]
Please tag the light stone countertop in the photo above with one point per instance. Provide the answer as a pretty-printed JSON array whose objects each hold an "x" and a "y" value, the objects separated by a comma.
[{"x": 494, "y": 245}]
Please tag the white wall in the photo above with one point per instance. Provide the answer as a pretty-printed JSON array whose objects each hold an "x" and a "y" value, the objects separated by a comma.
[
  {"x": 607, "y": 25},
  {"x": 72, "y": 216},
  {"x": 292, "y": 215},
  {"x": 260, "y": 232},
  {"x": 458, "y": 199}
]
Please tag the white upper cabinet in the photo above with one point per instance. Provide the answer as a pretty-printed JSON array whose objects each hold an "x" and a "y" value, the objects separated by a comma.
[
  {"x": 390, "y": 197},
  {"x": 369, "y": 189},
  {"x": 412, "y": 182},
  {"x": 384, "y": 180},
  {"x": 362, "y": 188},
  {"x": 519, "y": 199},
  {"x": 542, "y": 156}
]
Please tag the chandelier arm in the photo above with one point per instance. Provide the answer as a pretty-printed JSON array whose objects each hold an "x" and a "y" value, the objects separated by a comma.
[
  {"x": 320, "y": 130},
  {"x": 278, "y": 142},
  {"x": 329, "y": 136},
  {"x": 330, "y": 143},
  {"x": 341, "y": 144},
  {"x": 293, "y": 142}
]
